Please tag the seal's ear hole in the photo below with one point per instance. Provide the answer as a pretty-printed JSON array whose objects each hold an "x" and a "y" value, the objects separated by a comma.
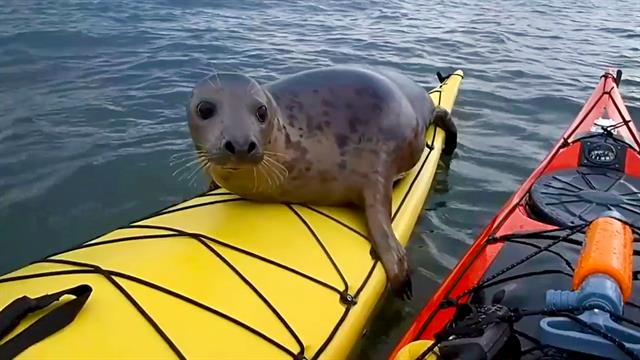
[
  {"x": 262, "y": 113},
  {"x": 206, "y": 109}
]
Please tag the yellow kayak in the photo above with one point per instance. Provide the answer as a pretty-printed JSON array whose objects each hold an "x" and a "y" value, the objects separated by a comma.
[{"x": 215, "y": 276}]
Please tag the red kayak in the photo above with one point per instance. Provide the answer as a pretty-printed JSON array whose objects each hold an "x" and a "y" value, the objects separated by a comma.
[{"x": 552, "y": 274}]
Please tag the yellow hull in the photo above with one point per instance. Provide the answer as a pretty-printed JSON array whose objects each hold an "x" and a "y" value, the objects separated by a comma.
[{"x": 220, "y": 277}]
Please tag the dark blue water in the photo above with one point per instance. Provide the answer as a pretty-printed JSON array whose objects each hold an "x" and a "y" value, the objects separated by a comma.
[{"x": 92, "y": 97}]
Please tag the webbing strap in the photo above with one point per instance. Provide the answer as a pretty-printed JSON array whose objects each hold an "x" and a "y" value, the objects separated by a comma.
[{"x": 53, "y": 321}]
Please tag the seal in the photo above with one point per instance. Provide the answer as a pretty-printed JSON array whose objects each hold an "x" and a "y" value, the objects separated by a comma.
[{"x": 339, "y": 136}]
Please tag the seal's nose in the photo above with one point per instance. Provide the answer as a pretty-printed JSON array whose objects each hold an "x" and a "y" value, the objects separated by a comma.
[
  {"x": 228, "y": 145},
  {"x": 252, "y": 147},
  {"x": 235, "y": 148}
]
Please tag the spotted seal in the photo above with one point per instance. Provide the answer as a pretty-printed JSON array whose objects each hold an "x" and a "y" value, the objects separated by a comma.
[{"x": 339, "y": 135}]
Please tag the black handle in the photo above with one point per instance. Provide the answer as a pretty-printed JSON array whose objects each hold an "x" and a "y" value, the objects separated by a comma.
[{"x": 56, "y": 319}]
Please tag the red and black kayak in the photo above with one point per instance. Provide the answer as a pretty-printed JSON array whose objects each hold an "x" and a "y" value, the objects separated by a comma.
[{"x": 552, "y": 276}]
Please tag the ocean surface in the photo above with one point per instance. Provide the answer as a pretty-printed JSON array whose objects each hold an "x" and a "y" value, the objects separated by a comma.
[{"x": 92, "y": 98}]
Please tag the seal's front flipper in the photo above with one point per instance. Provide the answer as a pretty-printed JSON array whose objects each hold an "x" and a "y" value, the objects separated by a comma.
[
  {"x": 442, "y": 119},
  {"x": 377, "y": 203}
]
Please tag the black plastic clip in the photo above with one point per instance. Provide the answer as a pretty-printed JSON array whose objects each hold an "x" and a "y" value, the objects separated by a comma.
[{"x": 347, "y": 299}]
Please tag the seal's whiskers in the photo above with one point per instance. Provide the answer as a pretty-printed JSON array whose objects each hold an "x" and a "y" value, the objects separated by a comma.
[
  {"x": 193, "y": 173},
  {"x": 212, "y": 157},
  {"x": 187, "y": 155},
  {"x": 272, "y": 153},
  {"x": 205, "y": 164},
  {"x": 265, "y": 173},
  {"x": 182, "y": 154},
  {"x": 251, "y": 88},
  {"x": 215, "y": 72},
  {"x": 212, "y": 85},
  {"x": 193, "y": 177},
  {"x": 282, "y": 168},
  {"x": 276, "y": 176},
  {"x": 255, "y": 180},
  {"x": 186, "y": 166},
  {"x": 278, "y": 169}
]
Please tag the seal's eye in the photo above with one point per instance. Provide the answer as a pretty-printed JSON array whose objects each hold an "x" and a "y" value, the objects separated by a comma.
[
  {"x": 206, "y": 110},
  {"x": 262, "y": 113}
]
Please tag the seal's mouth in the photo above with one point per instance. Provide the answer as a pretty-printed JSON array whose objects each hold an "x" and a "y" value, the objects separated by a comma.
[
  {"x": 235, "y": 162},
  {"x": 265, "y": 170},
  {"x": 232, "y": 164},
  {"x": 230, "y": 168}
]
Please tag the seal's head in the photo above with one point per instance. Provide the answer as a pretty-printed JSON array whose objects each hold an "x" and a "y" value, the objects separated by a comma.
[{"x": 231, "y": 120}]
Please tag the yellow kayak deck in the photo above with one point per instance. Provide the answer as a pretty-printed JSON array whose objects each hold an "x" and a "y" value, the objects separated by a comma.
[{"x": 221, "y": 277}]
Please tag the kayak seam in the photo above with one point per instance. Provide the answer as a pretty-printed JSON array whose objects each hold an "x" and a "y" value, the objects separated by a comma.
[
  {"x": 46, "y": 274},
  {"x": 112, "y": 241},
  {"x": 214, "y": 194},
  {"x": 159, "y": 211},
  {"x": 189, "y": 207}
]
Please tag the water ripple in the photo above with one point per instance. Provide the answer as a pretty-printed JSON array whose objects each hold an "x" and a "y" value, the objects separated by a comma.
[{"x": 93, "y": 93}]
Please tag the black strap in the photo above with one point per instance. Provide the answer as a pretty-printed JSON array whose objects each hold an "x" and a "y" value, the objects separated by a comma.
[
  {"x": 45, "y": 326},
  {"x": 442, "y": 78},
  {"x": 618, "y": 77}
]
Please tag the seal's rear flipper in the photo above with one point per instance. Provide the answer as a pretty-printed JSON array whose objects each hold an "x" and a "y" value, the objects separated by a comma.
[{"x": 442, "y": 119}]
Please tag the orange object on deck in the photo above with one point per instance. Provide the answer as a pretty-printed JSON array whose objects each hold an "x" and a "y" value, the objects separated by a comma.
[{"x": 608, "y": 249}]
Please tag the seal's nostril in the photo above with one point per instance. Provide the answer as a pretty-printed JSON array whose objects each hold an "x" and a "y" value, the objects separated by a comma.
[
  {"x": 252, "y": 147},
  {"x": 228, "y": 145}
]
